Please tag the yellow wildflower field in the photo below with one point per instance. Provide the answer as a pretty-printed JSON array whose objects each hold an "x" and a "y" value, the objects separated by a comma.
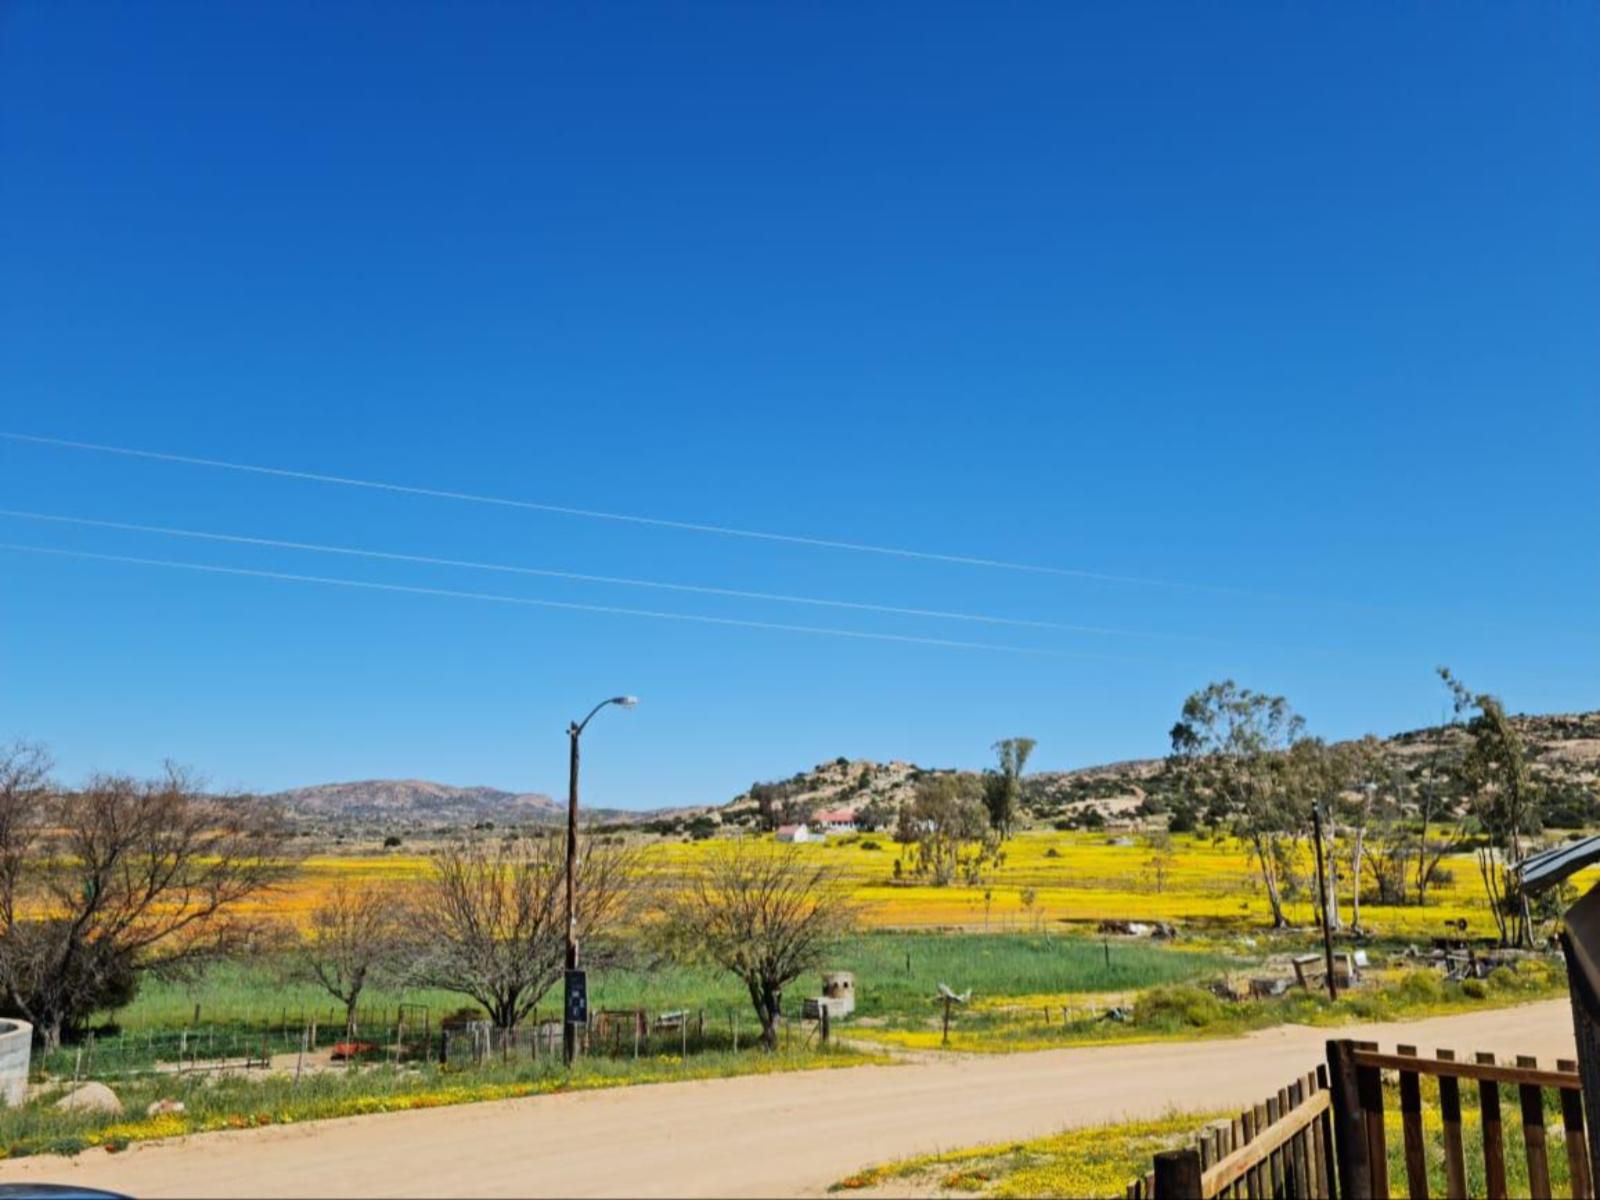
[{"x": 1046, "y": 878}]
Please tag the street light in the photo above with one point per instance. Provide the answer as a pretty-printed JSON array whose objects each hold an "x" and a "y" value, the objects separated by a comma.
[{"x": 576, "y": 992}]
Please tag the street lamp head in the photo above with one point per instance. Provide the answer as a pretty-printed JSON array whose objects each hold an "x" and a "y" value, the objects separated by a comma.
[{"x": 625, "y": 701}]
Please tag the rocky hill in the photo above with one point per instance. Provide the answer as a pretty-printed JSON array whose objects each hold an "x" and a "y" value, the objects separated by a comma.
[{"x": 1563, "y": 751}]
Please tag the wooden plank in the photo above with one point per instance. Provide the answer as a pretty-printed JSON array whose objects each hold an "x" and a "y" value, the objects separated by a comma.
[
  {"x": 1455, "y": 1157},
  {"x": 1482, "y": 1070},
  {"x": 1369, "y": 1089},
  {"x": 1411, "y": 1125},
  {"x": 1297, "y": 1143},
  {"x": 1330, "y": 1171},
  {"x": 1350, "y": 1143},
  {"x": 1317, "y": 1181},
  {"x": 1533, "y": 1134},
  {"x": 1578, "y": 1167},
  {"x": 1247, "y": 1134},
  {"x": 1178, "y": 1175},
  {"x": 1262, "y": 1171},
  {"x": 1494, "y": 1149},
  {"x": 1275, "y": 1158},
  {"x": 1236, "y": 1142}
]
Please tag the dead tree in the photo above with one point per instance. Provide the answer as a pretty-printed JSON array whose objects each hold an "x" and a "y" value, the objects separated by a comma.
[
  {"x": 355, "y": 936},
  {"x": 765, "y": 915},
  {"x": 490, "y": 923},
  {"x": 121, "y": 877}
]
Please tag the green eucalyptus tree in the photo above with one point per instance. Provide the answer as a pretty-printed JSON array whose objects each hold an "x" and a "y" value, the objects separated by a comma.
[{"x": 1230, "y": 748}]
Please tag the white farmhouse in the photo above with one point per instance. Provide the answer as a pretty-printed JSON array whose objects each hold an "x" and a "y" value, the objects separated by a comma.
[
  {"x": 839, "y": 820},
  {"x": 794, "y": 833}
]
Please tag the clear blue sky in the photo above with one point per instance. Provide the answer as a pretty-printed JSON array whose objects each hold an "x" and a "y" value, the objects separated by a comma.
[{"x": 1295, "y": 306}]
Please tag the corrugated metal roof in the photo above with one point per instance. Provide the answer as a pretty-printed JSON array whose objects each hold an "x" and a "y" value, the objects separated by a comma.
[{"x": 1544, "y": 870}]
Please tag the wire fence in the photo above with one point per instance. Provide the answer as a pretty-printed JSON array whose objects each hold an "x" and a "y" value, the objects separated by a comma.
[{"x": 411, "y": 1034}]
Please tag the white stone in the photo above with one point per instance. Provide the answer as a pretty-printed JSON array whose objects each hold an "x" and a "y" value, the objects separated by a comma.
[{"x": 91, "y": 1097}]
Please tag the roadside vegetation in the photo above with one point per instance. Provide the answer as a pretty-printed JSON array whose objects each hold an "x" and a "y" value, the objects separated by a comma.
[
  {"x": 1000, "y": 1024},
  {"x": 237, "y": 1102},
  {"x": 1100, "y": 1160}
]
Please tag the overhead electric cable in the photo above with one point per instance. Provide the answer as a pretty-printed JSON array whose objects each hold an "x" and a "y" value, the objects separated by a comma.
[
  {"x": 581, "y": 577},
  {"x": 629, "y": 518},
  {"x": 823, "y": 631}
]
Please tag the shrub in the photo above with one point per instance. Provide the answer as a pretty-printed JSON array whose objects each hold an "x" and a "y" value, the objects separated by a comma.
[
  {"x": 1178, "y": 1004},
  {"x": 1475, "y": 988},
  {"x": 1060, "y": 824},
  {"x": 1052, "y": 852},
  {"x": 869, "y": 844},
  {"x": 1534, "y": 973},
  {"x": 390, "y": 842},
  {"x": 1182, "y": 820},
  {"x": 1421, "y": 986},
  {"x": 1504, "y": 979}
]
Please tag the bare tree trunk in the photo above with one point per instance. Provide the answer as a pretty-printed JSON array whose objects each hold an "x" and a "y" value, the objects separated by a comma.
[
  {"x": 1355, "y": 873},
  {"x": 350, "y": 1017},
  {"x": 1269, "y": 877},
  {"x": 769, "y": 1011},
  {"x": 1330, "y": 897},
  {"x": 1488, "y": 868}
]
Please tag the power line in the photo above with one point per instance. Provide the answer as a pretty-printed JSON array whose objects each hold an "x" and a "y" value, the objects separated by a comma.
[
  {"x": 629, "y": 518},
  {"x": 576, "y": 576},
  {"x": 822, "y": 631}
]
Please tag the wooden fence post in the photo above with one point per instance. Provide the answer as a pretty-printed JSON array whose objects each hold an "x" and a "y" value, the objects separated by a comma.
[
  {"x": 1349, "y": 1124},
  {"x": 1577, "y": 1144},
  {"x": 1416, "y": 1152},
  {"x": 1455, "y": 1159},
  {"x": 1178, "y": 1175}
]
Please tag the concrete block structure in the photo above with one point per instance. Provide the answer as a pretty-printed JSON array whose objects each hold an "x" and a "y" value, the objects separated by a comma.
[{"x": 16, "y": 1045}]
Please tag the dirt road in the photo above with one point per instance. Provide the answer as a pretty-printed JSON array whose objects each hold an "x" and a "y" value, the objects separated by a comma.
[{"x": 772, "y": 1135}]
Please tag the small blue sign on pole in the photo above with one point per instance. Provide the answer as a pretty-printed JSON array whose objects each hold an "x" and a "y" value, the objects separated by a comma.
[{"x": 577, "y": 995}]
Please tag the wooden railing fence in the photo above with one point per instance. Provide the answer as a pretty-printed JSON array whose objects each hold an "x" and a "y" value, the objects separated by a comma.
[
  {"x": 1280, "y": 1147},
  {"x": 1324, "y": 1135},
  {"x": 1357, "y": 1069}
]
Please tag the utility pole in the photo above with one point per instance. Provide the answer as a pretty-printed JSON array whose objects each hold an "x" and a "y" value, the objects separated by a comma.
[
  {"x": 575, "y": 1007},
  {"x": 1322, "y": 893}
]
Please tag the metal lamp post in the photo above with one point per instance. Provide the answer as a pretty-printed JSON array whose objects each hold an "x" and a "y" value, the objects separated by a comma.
[{"x": 576, "y": 992}]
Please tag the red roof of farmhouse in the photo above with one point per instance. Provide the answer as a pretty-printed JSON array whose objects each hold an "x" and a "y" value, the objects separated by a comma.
[{"x": 838, "y": 816}]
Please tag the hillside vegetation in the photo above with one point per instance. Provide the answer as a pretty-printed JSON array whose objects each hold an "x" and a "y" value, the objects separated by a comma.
[{"x": 1563, "y": 752}]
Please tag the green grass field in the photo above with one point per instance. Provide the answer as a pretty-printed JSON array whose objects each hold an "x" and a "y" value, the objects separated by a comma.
[{"x": 896, "y": 973}]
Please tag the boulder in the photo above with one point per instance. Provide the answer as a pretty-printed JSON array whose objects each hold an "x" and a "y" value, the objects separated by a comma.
[{"x": 91, "y": 1098}]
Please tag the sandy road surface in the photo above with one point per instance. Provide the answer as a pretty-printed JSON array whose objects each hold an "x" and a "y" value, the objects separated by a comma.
[{"x": 772, "y": 1135}]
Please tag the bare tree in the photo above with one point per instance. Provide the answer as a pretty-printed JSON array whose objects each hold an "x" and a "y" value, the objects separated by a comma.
[
  {"x": 121, "y": 877},
  {"x": 1159, "y": 865},
  {"x": 354, "y": 937},
  {"x": 491, "y": 921},
  {"x": 765, "y": 915},
  {"x": 24, "y": 776}
]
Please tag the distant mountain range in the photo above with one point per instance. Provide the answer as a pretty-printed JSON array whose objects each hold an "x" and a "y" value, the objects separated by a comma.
[
  {"x": 416, "y": 800},
  {"x": 1564, "y": 752},
  {"x": 421, "y": 801}
]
